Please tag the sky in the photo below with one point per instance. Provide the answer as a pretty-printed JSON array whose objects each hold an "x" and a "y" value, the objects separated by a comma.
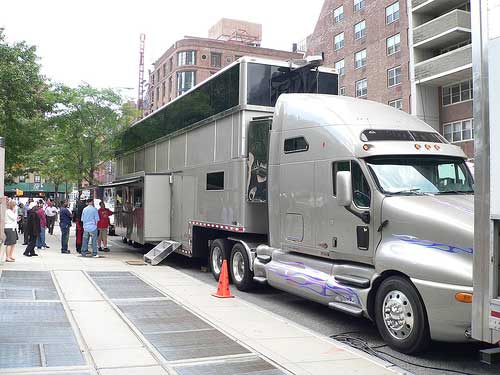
[{"x": 97, "y": 42}]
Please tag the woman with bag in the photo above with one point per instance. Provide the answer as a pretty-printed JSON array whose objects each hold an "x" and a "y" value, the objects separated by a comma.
[{"x": 10, "y": 230}]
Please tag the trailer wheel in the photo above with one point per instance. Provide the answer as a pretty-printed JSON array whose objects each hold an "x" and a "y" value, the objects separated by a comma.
[
  {"x": 218, "y": 252},
  {"x": 400, "y": 316},
  {"x": 241, "y": 274}
]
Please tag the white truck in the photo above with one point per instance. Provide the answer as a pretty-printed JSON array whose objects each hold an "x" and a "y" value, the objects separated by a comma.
[{"x": 343, "y": 201}]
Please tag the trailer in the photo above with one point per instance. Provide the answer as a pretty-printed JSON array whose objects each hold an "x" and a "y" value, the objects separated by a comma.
[
  {"x": 346, "y": 202},
  {"x": 486, "y": 74}
]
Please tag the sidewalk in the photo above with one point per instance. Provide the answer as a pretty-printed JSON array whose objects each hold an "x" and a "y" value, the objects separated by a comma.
[{"x": 148, "y": 320}]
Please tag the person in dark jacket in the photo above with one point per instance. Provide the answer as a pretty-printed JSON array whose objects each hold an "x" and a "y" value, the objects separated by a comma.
[
  {"x": 65, "y": 224},
  {"x": 77, "y": 218},
  {"x": 33, "y": 229}
]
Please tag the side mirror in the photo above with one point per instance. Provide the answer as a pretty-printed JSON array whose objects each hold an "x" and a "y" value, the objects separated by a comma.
[{"x": 344, "y": 188}]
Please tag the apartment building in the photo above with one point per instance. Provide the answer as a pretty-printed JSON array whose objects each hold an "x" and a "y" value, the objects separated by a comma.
[
  {"x": 441, "y": 52},
  {"x": 366, "y": 41},
  {"x": 414, "y": 55},
  {"x": 191, "y": 60}
]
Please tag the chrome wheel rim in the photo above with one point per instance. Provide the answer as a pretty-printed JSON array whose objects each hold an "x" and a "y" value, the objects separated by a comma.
[
  {"x": 217, "y": 259},
  {"x": 398, "y": 314},
  {"x": 238, "y": 267}
]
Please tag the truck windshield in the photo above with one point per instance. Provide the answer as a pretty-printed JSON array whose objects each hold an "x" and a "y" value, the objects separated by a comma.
[{"x": 410, "y": 175}]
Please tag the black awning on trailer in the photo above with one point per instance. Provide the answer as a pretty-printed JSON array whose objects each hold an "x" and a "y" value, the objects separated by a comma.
[{"x": 122, "y": 182}]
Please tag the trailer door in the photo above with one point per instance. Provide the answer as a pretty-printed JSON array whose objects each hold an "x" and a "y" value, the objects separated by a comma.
[
  {"x": 339, "y": 233},
  {"x": 183, "y": 204}
]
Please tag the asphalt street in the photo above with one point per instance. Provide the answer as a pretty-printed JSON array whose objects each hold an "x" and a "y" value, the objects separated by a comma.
[{"x": 461, "y": 358}]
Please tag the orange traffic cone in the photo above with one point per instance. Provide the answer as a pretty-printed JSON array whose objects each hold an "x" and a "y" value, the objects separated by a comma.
[{"x": 223, "y": 287}]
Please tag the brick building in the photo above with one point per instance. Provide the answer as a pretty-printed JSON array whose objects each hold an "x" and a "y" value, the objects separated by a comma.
[
  {"x": 191, "y": 60},
  {"x": 412, "y": 54}
]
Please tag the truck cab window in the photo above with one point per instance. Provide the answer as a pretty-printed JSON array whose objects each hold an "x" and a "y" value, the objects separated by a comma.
[
  {"x": 298, "y": 144},
  {"x": 361, "y": 193}
]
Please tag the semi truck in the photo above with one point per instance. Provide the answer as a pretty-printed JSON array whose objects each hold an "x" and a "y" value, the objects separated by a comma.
[{"x": 346, "y": 202}]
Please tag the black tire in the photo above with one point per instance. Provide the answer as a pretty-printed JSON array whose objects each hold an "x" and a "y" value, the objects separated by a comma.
[
  {"x": 124, "y": 240},
  {"x": 219, "y": 250},
  {"x": 239, "y": 266},
  {"x": 410, "y": 335}
]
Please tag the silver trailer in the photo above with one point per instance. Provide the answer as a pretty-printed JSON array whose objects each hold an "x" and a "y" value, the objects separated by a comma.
[
  {"x": 345, "y": 202},
  {"x": 486, "y": 74}
]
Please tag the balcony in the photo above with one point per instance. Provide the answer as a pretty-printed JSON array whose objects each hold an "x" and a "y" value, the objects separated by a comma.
[
  {"x": 446, "y": 30},
  {"x": 447, "y": 68},
  {"x": 434, "y": 7}
]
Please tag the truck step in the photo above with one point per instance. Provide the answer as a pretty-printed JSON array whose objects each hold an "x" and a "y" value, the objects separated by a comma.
[
  {"x": 344, "y": 307},
  {"x": 357, "y": 281},
  {"x": 260, "y": 280},
  {"x": 161, "y": 251}
]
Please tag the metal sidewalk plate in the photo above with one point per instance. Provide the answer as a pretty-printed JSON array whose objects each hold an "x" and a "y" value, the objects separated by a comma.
[
  {"x": 123, "y": 286},
  {"x": 253, "y": 366}
]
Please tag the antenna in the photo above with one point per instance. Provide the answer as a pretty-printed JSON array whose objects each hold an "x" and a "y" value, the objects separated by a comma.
[{"x": 140, "y": 95}]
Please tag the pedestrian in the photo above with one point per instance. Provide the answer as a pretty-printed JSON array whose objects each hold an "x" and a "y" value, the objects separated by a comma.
[
  {"x": 25, "y": 220},
  {"x": 51, "y": 214},
  {"x": 40, "y": 243},
  {"x": 77, "y": 219},
  {"x": 103, "y": 225},
  {"x": 90, "y": 217},
  {"x": 32, "y": 229},
  {"x": 20, "y": 217},
  {"x": 10, "y": 230},
  {"x": 65, "y": 224}
]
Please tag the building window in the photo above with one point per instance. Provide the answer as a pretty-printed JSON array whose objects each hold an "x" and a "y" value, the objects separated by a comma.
[
  {"x": 22, "y": 178},
  {"x": 215, "y": 181},
  {"x": 38, "y": 179},
  {"x": 459, "y": 131},
  {"x": 361, "y": 88},
  {"x": 158, "y": 92},
  {"x": 342, "y": 91},
  {"x": 164, "y": 69},
  {"x": 163, "y": 89},
  {"x": 456, "y": 93},
  {"x": 169, "y": 87},
  {"x": 216, "y": 60},
  {"x": 185, "y": 80},
  {"x": 153, "y": 79},
  {"x": 170, "y": 64},
  {"x": 360, "y": 30},
  {"x": 339, "y": 41},
  {"x": 393, "y": 44},
  {"x": 397, "y": 103},
  {"x": 186, "y": 58},
  {"x": 394, "y": 76},
  {"x": 360, "y": 59},
  {"x": 392, "y": 13},
  {"x": 158, "y": 75},
  {"x": 359, "y": 4},
  {"x": 339, "y": 66},
  {"x": 338, "y": 14}
]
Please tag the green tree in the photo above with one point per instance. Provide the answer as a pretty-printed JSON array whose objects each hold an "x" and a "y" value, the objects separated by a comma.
[
  {"x": 24, "y": 101},
  {"x": 85, "y": 129}
]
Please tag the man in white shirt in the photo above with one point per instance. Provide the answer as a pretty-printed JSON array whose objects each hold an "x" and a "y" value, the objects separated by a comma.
[{"x": 51, "y": 214}]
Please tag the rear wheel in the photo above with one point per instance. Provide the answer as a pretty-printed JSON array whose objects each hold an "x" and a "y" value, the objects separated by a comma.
[
  {"x": 400, "y": 316},
  {"x": 218, "y": 252},
  {"x": 241, "y": 274}
]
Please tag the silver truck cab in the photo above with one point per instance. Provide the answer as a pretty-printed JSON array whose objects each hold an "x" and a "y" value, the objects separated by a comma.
[{"x": 371, "y": 213}]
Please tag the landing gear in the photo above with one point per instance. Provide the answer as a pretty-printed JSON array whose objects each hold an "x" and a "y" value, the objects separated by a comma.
[{"x": 400, "y": 316}]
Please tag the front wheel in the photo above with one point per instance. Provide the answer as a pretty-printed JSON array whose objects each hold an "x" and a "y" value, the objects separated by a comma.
[
  {"x": 241, "y": 274},
  {"x": 400, "y": 316}
]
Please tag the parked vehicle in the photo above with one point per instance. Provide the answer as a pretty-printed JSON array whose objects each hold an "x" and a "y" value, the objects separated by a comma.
[{"x": 345, "y": 202}]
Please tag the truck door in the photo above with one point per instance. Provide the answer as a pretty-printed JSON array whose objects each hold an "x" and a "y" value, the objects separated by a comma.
[{"x": 340, "y": 233}]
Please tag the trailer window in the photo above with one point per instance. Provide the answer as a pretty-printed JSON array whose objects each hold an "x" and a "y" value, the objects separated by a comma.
[
  {"x": 298, "y": 144},
  {"x": 215, "y": 181}
]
